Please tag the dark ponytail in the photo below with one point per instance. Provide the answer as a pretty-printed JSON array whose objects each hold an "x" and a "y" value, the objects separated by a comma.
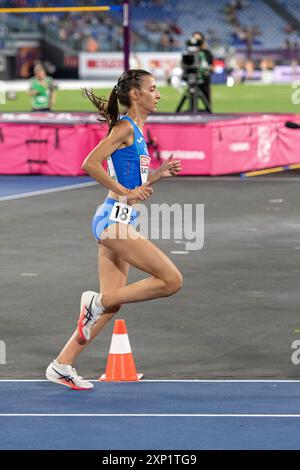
[{"x": 108, "y": 111}]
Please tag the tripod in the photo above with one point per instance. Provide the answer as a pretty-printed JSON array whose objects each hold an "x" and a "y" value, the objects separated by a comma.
[{"x": 192, "y": 95}]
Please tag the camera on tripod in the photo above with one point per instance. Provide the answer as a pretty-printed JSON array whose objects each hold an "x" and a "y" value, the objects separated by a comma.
[
  {"x": 190, "y": 62},
  {"x": 194, "y": 69}
]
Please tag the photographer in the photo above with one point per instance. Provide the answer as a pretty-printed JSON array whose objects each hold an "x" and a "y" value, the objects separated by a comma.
[
  {"x": 42, "y": 90},
  {"x": 205, "y": 68}
]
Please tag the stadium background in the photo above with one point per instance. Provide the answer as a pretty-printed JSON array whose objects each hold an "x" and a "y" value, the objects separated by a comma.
[
  {"x": 256, "y": 41},
  {"x": 237, "y": 318}
]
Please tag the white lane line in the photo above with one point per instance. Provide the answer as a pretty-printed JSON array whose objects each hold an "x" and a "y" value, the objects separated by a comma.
[
  {"x": 179, "y": 252},
  {"x": 29, "y": 274},
  {"x": 226, "y": 380},
  {"x": 178, "y": 380},
  {"x": 47, "y": 191},
  {"x": 153, "y": 415}
]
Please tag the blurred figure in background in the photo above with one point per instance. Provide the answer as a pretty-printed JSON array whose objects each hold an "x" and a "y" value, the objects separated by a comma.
[
  {"x": 42, "y": 90},
  {"x": 206, "y": 68}
]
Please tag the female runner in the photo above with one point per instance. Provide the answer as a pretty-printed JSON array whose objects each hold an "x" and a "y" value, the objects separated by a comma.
[{"x": 120, "y": 245}]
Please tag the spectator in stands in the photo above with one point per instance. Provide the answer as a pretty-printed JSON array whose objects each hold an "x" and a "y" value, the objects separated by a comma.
[
  {"x": 42, "y": 90},
  {"x": 166, "y": 41},
  {"x": 249, "y": 70},
  {"x": 91, "y": 44},
  {"x": 287, "y": 44},
  {"x": 289, "y": 29}
]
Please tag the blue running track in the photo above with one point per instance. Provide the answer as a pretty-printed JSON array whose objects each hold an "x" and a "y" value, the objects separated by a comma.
[
  {"x": 14, "y": 187},
  {"x": 168, "y": 415}
]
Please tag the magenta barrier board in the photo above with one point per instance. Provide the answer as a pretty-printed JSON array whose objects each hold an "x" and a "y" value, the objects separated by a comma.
[
  {"x": 57, "y": 144},
  {"x": 44, "y": 149}
]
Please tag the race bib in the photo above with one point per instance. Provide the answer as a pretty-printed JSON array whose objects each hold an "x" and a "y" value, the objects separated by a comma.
[
  {"x": 121, "y": 212},
  {"x": 144, "y": 167}
]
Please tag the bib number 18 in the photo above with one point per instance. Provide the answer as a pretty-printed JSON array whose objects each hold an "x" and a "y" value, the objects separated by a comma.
[{"x": 121, "y": 213}]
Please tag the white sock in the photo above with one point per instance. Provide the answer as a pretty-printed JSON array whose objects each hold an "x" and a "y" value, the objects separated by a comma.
[
  {"x": 97, "y": 304},
  {"x": 60, "y": 364}
]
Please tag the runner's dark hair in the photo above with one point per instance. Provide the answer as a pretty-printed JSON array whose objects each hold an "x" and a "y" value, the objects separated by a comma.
[{"x": 108, "y": 110}]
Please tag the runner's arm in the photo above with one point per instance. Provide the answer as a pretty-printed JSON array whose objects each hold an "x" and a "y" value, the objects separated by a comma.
[{"x": 120, "y": 133}]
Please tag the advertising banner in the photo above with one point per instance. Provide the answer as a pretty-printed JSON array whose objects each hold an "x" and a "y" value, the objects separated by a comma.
[
  {"x": 212, "y": 147},
  {"x": 286, "y": 73},
  {"x": 111, "y": 65}
]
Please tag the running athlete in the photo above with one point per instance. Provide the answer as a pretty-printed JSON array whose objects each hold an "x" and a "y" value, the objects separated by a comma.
[{"x": 127, "y": 180}]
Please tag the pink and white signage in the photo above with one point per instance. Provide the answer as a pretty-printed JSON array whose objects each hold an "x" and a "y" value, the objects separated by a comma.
[
  {"x": 111, "y": 65},
  {"x": 218, "y": 147}
]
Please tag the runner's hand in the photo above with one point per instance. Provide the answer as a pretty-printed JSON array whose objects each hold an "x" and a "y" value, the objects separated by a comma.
[
  {"x": 141, "y": 193},
  {"x": 170, "y": 167}
]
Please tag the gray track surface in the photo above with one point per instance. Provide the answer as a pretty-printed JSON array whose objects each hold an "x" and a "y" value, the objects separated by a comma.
[{"x": 234, "y": 318}]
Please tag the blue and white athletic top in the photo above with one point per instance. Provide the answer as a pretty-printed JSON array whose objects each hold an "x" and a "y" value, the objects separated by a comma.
[{"x": 130, "y": 165}]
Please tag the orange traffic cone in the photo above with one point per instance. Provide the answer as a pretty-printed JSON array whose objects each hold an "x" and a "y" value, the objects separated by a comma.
[{"x": 120, "y": 364}]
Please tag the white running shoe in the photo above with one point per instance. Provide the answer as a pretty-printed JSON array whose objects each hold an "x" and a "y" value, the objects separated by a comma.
[
  {"x": 66, "y": 375},
  {"x": 89, "y": 313}
]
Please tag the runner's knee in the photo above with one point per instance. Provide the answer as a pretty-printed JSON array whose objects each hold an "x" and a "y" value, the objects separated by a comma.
[{"x": 173, "y": 283}]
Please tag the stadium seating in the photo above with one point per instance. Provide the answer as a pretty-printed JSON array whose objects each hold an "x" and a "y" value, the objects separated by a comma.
[
  {"x": 292, "y": 6},
  {"x": 158, "y": 24}
]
